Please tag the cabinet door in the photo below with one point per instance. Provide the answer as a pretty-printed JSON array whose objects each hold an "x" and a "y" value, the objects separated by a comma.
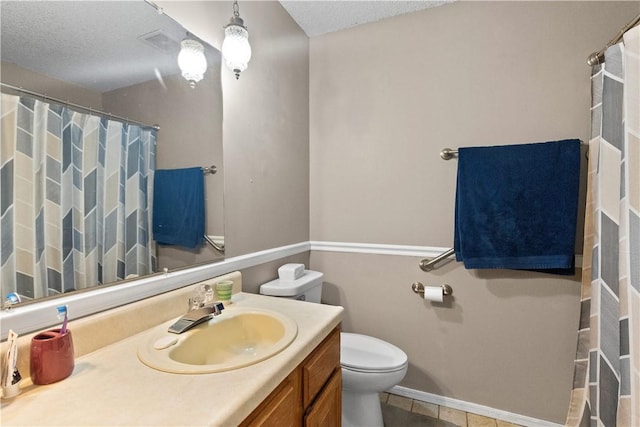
[
  {"x": 319, "y": 366},
  {"x": 327, "y": 409},
  {"x": 283, "y": 407}
]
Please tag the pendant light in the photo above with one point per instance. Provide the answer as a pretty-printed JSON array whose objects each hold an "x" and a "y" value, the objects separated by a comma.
[
  {"x": 235, "y": 47},
  {"x": 191, "y": 60}
]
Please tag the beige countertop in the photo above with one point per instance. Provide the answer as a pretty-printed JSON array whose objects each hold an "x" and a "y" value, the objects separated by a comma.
[{"x": 111, "y": 386}]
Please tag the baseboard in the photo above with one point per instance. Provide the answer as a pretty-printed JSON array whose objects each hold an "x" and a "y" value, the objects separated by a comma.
[{"x": 470, "y": 407}]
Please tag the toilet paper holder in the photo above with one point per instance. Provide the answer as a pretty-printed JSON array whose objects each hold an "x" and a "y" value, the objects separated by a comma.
[{"x": 418, "y": 288}]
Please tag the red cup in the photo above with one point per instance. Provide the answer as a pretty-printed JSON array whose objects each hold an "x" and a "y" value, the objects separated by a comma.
[{"x": 51, "y": 356}]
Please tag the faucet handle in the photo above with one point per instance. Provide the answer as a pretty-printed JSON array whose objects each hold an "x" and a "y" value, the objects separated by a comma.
[{"x": 216, "y": 308}]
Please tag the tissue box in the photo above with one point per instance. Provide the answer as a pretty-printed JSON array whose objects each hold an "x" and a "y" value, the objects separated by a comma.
[{"x": 290, "y": 272}]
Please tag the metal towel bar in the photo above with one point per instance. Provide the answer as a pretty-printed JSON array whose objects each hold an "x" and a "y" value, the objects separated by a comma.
[
  {"x": 428, "y": 265},
  {"x": 209, "y": 170},
  {"x": 217, "y": 247},
  {"x": 448, "y": 153}
]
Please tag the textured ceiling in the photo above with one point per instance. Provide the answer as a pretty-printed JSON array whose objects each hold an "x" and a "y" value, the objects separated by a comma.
[
  {"x": 317, "y": 17},
  {"x": 94, "y": 44},
  {"x": 97, "y": 44}
]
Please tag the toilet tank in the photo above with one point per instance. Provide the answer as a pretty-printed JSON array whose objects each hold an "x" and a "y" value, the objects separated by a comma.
[{"x": 306, "y": 288}]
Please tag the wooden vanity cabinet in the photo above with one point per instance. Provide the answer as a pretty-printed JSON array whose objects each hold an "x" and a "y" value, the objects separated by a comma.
[
  {"x": 327, "y": 408},
  {"x": 310, "y": 396},
  {"x": 283, "y": 407}
]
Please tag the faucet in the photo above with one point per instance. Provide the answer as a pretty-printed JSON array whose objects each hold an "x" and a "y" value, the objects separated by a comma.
[{"x": 195, "y": 317}]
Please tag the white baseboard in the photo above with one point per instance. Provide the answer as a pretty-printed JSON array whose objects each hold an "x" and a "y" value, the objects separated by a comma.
[{"x": 474, "y": 408}]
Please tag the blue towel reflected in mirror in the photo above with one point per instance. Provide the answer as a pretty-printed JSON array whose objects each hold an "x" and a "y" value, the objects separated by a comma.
[{"x": 178, "y": 207}]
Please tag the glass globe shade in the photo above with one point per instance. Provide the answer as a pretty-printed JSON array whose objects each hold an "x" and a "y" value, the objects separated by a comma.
[
  {"x": 236, "y": 49},
  {"x": 192, "y": 61}
]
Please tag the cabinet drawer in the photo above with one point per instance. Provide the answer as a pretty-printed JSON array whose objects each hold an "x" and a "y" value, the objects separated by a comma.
[{"x": 319, "y": 366}]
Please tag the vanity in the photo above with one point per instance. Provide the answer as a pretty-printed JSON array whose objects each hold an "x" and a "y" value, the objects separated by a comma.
[{"x": 300, "y": 385}]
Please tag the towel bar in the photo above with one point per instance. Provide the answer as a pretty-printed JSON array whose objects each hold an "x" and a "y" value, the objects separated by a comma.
[
  {"x": 209, "y": 170},
  {"x": 428, "y": 265},
  {"x": 448, "y": 153},
  {"x": 217, "y": 247}
]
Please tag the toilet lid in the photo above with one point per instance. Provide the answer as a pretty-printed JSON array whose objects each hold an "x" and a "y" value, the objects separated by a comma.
[{"x": 368, "y": 354}]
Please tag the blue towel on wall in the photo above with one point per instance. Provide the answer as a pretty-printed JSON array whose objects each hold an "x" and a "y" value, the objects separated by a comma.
[
  {"x": 178, "y": 207},
  {"x": 517, "y": 206}
]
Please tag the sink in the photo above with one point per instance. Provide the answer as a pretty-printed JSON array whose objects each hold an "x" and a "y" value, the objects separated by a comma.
[{"x": 236, "y": 338}]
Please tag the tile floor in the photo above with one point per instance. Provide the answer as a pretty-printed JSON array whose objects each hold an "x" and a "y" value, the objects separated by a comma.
[{"x": 398, "y": 411}]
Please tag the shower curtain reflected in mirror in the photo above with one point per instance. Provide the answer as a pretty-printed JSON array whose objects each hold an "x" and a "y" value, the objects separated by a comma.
[
  {"x": 606, "y": 387},
  {"x": 75, "y": 199}
]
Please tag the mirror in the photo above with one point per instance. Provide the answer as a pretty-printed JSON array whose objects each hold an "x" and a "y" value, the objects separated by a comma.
[{"x": 118, "y": 57}]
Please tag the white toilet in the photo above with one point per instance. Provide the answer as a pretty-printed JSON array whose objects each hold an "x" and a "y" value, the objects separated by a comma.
[{"x": 369, "y": 365}]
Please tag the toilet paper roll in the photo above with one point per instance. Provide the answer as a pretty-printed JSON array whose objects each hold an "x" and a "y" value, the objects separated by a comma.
[{"x": 433, "y": 293}]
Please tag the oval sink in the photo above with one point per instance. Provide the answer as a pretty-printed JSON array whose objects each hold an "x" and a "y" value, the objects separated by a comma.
[{"x": 236, "y": 338}]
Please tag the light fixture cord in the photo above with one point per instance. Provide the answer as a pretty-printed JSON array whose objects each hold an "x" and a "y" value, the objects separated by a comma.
[{"x": 236, "y": 9}]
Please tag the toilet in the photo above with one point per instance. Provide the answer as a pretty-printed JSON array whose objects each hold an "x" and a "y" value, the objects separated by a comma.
[{"x": 369, "y": 365}]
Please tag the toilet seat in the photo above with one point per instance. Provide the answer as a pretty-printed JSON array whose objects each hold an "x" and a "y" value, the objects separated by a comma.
[{"x": 362, "y": 353}]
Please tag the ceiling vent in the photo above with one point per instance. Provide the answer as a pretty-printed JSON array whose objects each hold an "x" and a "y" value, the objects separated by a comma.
[{"x": 159, "y": 40}]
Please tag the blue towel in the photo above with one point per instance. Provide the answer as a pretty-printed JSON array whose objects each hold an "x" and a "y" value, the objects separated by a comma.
[
  {"x": 178, "y": 207},
  {"x": 517, "y": 206}
]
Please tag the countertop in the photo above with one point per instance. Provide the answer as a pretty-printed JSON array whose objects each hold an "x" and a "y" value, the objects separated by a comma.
[{"x": 111, "y": 386}]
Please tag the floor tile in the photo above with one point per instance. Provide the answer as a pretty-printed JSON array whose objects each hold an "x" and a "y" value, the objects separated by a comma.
[
  {"x": 399, "y": 411},
  {"x": 474, "y": 420},
  {"x": 424, "y": 408},
  {"x": 393, "y": 416},
  {"x": 400, "y": 402},
  {"x": 443, "y": 423},
  {"x": 453, "y": 416}
]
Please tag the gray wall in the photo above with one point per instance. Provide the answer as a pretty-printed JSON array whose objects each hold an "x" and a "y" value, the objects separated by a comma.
[
  {"x": 40, "y": 83},
  {"x": 266, "y": 135},
  {"x": 385, "y": 98},
  {"x": 265, "y": 124}
]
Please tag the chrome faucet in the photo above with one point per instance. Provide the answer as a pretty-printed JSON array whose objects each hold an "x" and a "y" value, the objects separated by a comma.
[{"x": 195, "y": 317}]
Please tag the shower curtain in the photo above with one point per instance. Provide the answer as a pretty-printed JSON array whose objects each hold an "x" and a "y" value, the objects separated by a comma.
[
  {"x": 75, "y": 199},
  {"x": 606, "y": 388}
]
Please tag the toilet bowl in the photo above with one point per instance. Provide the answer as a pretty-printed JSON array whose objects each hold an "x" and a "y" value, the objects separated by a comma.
[{"x": 369, "y": 365}]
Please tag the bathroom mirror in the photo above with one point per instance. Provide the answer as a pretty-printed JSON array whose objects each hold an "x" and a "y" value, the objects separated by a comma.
[{"x": 118, "y": 57}]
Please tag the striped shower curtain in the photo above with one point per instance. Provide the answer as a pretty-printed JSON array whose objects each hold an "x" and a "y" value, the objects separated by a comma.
[
  {"x": 75, "y": 199},
  {"x": 606, "y": 388}
]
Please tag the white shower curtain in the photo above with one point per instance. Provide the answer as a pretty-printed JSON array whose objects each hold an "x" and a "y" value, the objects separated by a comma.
[
  {"x": 76, "y": 192},
  {"x": 606, "y": 389}
]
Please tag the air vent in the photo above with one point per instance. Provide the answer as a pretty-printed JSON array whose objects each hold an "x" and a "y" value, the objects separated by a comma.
[{"x": 159, "y": 40}]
